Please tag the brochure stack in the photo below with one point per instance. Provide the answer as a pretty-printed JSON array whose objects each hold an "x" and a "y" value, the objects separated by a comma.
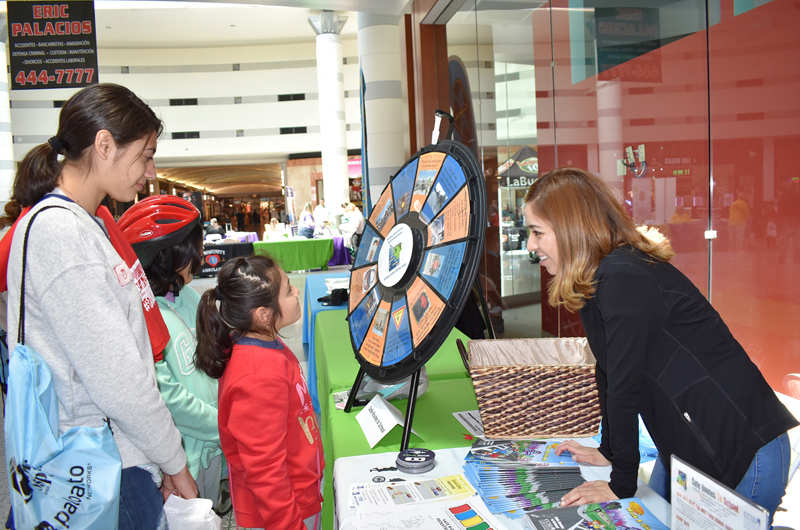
[{"x": 514, "y": 477}]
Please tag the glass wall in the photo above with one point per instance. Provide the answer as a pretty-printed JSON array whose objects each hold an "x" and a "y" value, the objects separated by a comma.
[{"x": 688, "y": 108}]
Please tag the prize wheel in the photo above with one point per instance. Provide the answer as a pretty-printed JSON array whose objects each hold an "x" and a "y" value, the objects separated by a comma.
[{"x": 417, "y": 260}]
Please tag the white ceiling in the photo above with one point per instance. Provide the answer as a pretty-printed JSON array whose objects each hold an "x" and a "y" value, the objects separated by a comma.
[{"x": 155, "y": 24}]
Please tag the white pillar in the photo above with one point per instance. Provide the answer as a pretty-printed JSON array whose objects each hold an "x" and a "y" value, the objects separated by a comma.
[
  {"x": 330, "y": 82},
  {"x": 379, "y": 61},
  {"x": 7, "y": 166},
  {"x": 609, "y": 131}
]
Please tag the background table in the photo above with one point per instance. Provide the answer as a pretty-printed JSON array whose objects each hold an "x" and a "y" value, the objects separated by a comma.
[
  {"x": 298, "y": 254},
  {"x": 315, "y": 289},
  {"x": 358, "y": 469}
]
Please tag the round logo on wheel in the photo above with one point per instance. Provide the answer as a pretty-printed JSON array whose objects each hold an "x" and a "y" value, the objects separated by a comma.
[{"x": 395, "y": 255}]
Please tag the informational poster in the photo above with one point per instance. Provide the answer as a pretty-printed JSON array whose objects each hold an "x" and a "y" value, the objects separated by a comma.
[
  {"x": 441, "y": 267},
  {"x": 429, "y": 165},
  {"x": 52, "y": 45},
  {"x": 701, "y": 503},
  {"x": 369, "y": 247},
  {"x": 451, "y": 178},
  {"x": 398, "y": 340},
  {"x": 426, "y": 308},
  {"x": 361, "y": 318},
  {"x": 452, "y": 223},
  {"x": 372, "y": 348},
  {"x": 383, "y": 213},
  {"x": 362, "y": 281},
  {"x": 402, "y": 185}
]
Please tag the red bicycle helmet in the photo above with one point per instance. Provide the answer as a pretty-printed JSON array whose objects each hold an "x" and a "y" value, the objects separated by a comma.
[{"x": 157, "y": 222}]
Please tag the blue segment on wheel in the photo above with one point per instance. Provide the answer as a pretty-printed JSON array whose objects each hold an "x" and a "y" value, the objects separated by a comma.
[
  {"x": 441, "y": 266},
  {"x": 398, "y": 340},
  {"x": 450, "y": 179},
  {"x": 370, "y": 247},
  {"x": 402, "y": 185},
  {"x": 362, "y": 316}
]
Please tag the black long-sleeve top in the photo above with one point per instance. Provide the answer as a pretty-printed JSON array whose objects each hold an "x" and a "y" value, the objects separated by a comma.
[{"x": 664, "y": 352}]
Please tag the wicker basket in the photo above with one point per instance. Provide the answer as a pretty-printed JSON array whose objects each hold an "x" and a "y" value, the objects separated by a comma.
[{"x": 534, "y": 388}]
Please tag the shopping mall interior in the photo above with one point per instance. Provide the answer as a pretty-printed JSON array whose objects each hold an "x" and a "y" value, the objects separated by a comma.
[{"x": 684, "y": 106}]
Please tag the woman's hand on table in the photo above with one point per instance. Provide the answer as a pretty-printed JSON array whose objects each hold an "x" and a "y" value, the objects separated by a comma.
[
  {"x": 582, "y": 454},
  {"x": 589, "y": 492}
]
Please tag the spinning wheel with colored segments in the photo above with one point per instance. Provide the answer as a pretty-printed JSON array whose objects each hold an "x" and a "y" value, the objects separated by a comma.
[{"x": 417, "y": 261}]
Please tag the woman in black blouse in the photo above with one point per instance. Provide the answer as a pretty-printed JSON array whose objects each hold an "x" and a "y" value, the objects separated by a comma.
[{"x": 662, "y": 351}]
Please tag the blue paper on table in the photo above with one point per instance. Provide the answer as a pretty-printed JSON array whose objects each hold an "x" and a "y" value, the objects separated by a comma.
[
  {"x": 68, "y": 481},
  {"x": 647, "y": 448}
]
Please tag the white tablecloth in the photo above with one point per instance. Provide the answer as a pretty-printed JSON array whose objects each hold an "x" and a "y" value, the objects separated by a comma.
[{"x": 357, "y": 469}]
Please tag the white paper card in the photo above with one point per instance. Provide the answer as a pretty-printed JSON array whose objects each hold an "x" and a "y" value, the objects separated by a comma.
[
  {"x": 378, "y": 418},
  {"x": 471, "y": 420},
  {"x": 701, "y": 503}
]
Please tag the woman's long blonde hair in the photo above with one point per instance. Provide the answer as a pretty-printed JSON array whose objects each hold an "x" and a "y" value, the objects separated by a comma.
[{"x": 588, "y": 222}]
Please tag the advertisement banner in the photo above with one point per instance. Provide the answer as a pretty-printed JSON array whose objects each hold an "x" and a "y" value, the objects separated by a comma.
[{"x": 52, "y": 44}]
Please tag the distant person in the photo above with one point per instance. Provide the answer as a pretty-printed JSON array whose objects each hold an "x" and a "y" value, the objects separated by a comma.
[
  {"x": 737, "y": 219},
  {"x": 662, "y": 350},
  {"x": 789, "y": 222},
  {"x": 256, "y": 219},
  {"x": 680, "y": 216},
  {"x": 240, "y": 220},
  {"x": 267, "y": 426},
  {"x": 771, "y": 224},
  {"x": 215, "y": 228},
  {"x": 321, "y": 214},
  {"x": 306, "y": 225},
  {"x": 352, "y": 227}
]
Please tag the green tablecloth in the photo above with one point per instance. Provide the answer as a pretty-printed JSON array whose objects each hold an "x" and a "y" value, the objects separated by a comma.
[
  {"x": 450, "y": 390},
  {"x": 298, "y": 254}
]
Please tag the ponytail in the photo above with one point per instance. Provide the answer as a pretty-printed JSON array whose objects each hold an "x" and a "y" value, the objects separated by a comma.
[
  {"x": 244, "y": 284},
  {"x": 214, "y": 340},
  {"x": 37, "y": 175}
]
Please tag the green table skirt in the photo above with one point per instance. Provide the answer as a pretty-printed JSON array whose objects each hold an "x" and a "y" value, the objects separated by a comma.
[
  {"x": 433, "y": 421},
  {"x": 298, "y": 254}
]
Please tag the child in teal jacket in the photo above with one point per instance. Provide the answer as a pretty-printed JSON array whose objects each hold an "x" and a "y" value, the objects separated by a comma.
[{"x": 166, "y": 234}]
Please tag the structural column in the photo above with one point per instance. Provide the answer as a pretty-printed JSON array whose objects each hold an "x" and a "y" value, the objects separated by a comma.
[
  {"x": 379, "y": 61},
  {"x": 330, "y": 82},
  {"x": 7, "y": 165}
]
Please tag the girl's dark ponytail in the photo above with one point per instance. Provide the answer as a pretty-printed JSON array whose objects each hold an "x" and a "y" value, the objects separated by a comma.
[
  {"x": 37, "y": 175},
  {"x": 244, "y": 284},
  {"x": 214, "y": 341}
]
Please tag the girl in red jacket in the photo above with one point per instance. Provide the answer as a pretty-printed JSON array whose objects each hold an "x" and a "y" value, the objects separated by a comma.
[{"x": 267, "y": 426}]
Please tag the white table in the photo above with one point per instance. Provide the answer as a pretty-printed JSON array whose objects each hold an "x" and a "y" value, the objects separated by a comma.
[{"x": 356, "y": 469}]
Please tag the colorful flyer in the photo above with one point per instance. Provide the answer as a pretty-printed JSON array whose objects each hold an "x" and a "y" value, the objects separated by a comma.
[
  {"x": 372, "y": 348},
  {"x": 402, "y": 185},
  {"x": 398, "y": 338},
  {"x": 451, "y": 178},
  {"x": 369, "y": 247},
  {"x": 429, "y": 165},
  {"x": 361, "y": 281},
  {"x": 463, "y": 514},
  {"x": 361, "y": 318},
  {"x": 426, "y": 308},
  {"x": 452, "y": 223},
  {"x": 383, "y": 213},
  {"x": 441, "y": 267}
]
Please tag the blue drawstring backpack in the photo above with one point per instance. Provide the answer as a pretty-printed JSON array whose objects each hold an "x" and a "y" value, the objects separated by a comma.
[{"x": 67, "y": 481}]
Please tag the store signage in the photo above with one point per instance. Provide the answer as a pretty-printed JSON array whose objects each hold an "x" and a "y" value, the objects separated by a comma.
[
  {"x": 517, "y": 182},
  {"x": 628, "y": 40},
  {"x": 682, "y": 172},
  {"x": 52, "y": 44}
]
